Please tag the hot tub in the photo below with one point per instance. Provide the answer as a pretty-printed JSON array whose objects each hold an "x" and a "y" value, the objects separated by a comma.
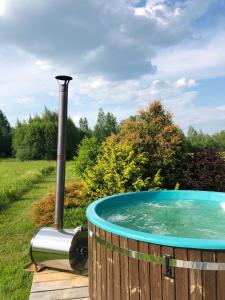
[{"x": 157, "y": 245}]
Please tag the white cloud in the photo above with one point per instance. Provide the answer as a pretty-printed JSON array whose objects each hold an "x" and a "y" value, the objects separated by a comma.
[
  {"x": 97, "y": 37},
  {"x": 25, "y": 100},
  {"x": 98, "y": 82},
  {"x": 43, "y": 64},
  {"x": 199, "y": 59},
  {"x": 208, "y": 119},
  {"x": 160, "y": 12},
  {"x": 127, "y": 97},
  {"x": 184, "y": 82},
  {"x": 181, "y": 13},
  {"x": 3, "y": 4},
  {"x": 221, "y": 108}
]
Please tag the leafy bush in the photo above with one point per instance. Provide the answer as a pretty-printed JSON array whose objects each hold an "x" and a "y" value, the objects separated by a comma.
[
  {"x": 87, "y": 153},
  {"x": 119, "y": 169},
  {"x": 23, "y": 184},
  {"x": 37, "y": 138},
  {"x": 75, "y": 203},
  {"x": 153, "y": 132},
  {"x": 204, "y": 170}
]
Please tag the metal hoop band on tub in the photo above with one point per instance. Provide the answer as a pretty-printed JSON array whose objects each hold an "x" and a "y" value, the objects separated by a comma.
[{"x": 165, "y": 260}]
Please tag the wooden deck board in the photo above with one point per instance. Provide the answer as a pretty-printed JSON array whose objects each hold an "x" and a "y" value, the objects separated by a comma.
[
  {"x": 53, "y": 277},
  {"x": 58, "y": 285},
  {"x": 55, "y": 285}
]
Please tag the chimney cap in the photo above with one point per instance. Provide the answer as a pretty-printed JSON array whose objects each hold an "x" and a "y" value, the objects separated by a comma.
[{"x": 64, "y": 78}]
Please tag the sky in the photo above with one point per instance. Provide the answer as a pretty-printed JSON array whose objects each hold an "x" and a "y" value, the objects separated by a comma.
[{"x": 122, "y": 54}]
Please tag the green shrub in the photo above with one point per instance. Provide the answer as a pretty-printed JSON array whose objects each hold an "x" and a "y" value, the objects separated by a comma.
[
  {"x": 87, "y": 153},
  {"x": 119, "y": 169}
]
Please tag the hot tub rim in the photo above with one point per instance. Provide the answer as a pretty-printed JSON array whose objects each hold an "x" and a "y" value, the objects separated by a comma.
[{"x": 172, "y": 241}]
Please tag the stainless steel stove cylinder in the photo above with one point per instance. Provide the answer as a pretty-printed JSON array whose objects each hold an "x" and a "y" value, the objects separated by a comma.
[{"x": 60, "y": 249}]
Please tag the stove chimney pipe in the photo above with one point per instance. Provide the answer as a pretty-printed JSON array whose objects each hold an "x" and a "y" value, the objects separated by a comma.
[
  {"x": 60, "y": 248},
  {"x": 61, "y": 149}
]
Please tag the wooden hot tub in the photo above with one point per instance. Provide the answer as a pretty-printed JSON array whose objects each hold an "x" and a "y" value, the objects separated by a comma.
[{"x": 128, "y": 265}]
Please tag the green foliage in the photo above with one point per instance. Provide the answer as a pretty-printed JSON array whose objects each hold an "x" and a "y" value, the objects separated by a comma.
[
  {"x": 75, "y": 217},
  {"x": 204, "y": 170},
  {"x": 119, "y": 169},
  {"x": 37, "y": 138},
  {"x": 5, "y": 136},
  {"x": 73, "y": 139},
  {"x": 157, "y": 182},
  {"x": 83, "y": 123},
  {"x": 198, "y": 140},
  {"x": 84, "y": 128},
  {"x": 177, "y": 186},
  {"x": 105, "y": 126},
  {"x": 153, "y": 132},
  {"x": 87, "y": 153},
  {"x": 219, "y": 139}
]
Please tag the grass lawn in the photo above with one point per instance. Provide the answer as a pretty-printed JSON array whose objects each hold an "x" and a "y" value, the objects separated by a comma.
[
  {"x": 12, "y": 169},
  {"x": 17, "y": 229}
]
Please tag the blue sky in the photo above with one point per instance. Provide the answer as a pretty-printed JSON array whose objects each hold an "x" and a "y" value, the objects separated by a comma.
[{"x": 123, "y": 54}]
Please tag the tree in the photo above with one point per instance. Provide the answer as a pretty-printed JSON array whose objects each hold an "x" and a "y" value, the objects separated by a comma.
[
  {"x": 105, "y": 126},
  {"x": 83, "y": 123},
  {"x": 154, "y": 133},
  {"x": 37, "y": 137},
  {"x": 5, "y": 136},
  {"x": 84, "y": 128},
  {"x": 87, "y": 153}
]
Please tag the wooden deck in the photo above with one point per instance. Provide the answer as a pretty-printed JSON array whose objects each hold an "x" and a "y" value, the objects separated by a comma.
[{"x": 55, "y": 285}]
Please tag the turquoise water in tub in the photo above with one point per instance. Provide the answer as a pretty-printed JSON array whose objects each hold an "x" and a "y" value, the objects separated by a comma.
[{"x": 203, "y": 219}]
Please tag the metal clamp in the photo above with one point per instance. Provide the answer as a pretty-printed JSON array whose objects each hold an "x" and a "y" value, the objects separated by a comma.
[{"x": 168, "y": 269}]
